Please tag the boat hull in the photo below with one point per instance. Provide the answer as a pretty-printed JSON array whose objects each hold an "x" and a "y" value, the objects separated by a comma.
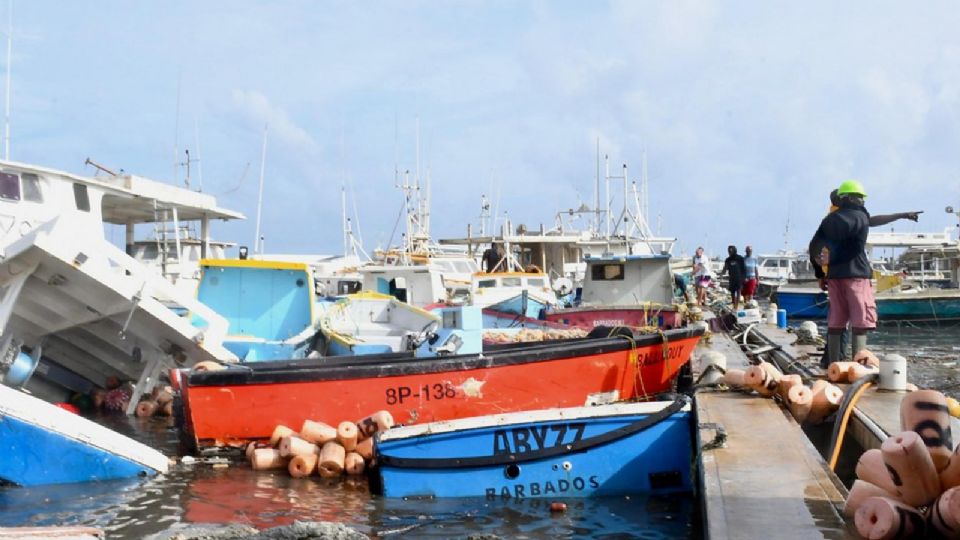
[
  {"x": 611, "y": 450},
  {"x": 246, "y": 402},
  {"x": 809, "y": 304},
  {"x": 587, "y": 318},
  {"x": 927, "y": 305},
  {"x": 43, "y": 444}
]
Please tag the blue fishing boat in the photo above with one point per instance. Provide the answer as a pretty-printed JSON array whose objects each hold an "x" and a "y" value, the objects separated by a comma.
[
  {"x": 617, "y": 449},
  {"x": 44, "y": 444},
  {"x": 803, "y": 302}
]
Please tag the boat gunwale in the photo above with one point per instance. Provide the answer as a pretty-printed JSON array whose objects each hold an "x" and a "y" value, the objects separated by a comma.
[{"x": 400, "y": 364}]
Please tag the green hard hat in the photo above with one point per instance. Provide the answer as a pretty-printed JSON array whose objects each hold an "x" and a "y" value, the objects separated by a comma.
[{"x": 851, "y": 187}]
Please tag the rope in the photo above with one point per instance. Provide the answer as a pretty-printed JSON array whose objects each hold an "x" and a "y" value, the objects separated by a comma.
[{"x": 633, "y": 359}]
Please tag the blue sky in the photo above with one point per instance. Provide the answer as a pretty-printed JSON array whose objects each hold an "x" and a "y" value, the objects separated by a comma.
[{"x": 749, "y": 112}]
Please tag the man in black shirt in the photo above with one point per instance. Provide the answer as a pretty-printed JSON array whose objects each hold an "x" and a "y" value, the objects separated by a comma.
[
  {"x": 840, "y": 243},
  {"x": 738, "y": 271}
]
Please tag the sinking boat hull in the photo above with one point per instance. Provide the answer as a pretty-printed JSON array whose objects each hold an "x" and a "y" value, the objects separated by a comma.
[
  {"x": 587, "y": 318},
  {"x": 610, "y": 450},
  {"x": 246, "y": 402},
  {"x": 931, "y": 305},
  {"x": 43, "y": 444}
]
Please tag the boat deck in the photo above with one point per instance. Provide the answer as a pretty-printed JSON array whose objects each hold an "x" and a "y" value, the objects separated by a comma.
[{"x": 767, "y": 481}]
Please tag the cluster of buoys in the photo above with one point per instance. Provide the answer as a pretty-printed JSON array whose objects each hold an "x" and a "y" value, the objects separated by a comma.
[
  {"x": 809, "y": 404},
  {"x": 910, "y": 486},
  {"x": 532, "y": 334},
  {"x": 318, "y": 447},
  {"x": 159, "y": 402},
  {"x": 864, "y": 363}
]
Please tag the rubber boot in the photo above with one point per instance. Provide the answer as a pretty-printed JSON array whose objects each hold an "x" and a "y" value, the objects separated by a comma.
[
  {"x": 859, "y": 343},
  {"x": 834, "y": 347}
]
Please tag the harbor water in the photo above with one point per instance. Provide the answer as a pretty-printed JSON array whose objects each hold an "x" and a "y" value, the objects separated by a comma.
[{"x": 208, "y": 493}]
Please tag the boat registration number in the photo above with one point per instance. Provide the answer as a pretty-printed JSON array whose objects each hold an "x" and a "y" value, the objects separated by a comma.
[{"x": 426, "y": 392}]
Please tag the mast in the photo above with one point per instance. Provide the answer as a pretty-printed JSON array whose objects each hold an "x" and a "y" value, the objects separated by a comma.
[
  {"x": 596, "y": 194},
  {"x": 6, "y": 127},
  {"x": 258, "y": 240}
]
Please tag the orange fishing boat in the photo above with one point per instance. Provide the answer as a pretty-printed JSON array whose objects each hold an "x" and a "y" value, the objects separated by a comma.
[{"x": 246, "y": 401}]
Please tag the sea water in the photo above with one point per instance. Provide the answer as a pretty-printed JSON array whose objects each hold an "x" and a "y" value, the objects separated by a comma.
[{"x": 205, "y": 493}]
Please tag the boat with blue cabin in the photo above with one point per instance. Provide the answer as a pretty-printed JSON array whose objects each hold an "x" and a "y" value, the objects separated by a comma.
[
  {"x": 44, "y": 444},
  {"x": 616, "y": 450}
]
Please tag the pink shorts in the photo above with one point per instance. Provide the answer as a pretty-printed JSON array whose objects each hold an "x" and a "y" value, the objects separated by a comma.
[{"x": 851, "y": 301}]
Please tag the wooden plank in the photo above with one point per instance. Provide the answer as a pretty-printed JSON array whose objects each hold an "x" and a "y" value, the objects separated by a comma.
[{"x": 768, "y": 481}]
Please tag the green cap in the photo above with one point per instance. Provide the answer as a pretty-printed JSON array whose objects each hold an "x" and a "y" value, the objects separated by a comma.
[{"x": 851, "y": 187}]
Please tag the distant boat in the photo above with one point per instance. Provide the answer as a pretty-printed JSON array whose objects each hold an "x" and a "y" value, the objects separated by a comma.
[
  {"x": 371, "y": 323},
  {"x": 629, "y": 290},
  {"x": 246, "y": 402},
  {"x": 44, "y": 444},
  {"x": 892, "y": 304},
  {"x": 608, "y": 450}
]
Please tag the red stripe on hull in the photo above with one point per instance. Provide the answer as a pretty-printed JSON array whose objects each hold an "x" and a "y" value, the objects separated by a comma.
[
  {"x": 588, "y": 318},
  {"x": 232, "y": 414}
]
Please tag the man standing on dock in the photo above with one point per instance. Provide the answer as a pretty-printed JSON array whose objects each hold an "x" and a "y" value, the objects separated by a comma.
[
  {"x": 735, "y": 265},
  {"x": 752, "y": 275},
  {"x": 840, "y": 244}
]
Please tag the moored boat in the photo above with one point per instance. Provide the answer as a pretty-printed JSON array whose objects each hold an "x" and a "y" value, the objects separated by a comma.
[
  {"x": 630, "y": 290},
  {"x": 246, "y": 402},
  {"x": 616, "y": 449},
  {"x": 44, "y": 444}
]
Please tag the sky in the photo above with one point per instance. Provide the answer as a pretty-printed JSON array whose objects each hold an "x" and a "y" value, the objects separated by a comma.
[{"x": 749, "y": 113}]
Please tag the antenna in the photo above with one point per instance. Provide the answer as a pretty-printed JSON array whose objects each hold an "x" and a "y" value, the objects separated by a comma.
[
  {"x": 176, "y": 135},
  {"x": 6, "y": 127},
  {"x": 100, "y": 167},
  {"x": 196, "y": 137},
  {"x": 596, "y": 194},
  {"x": 258, "y": 240}
]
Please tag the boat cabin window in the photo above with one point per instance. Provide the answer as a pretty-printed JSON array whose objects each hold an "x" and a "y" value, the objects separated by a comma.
[
  {"x": 31, "y": 187},
  {"x": 348, "y": 287},
  {"x": 81, "y": 197},
  {"x": 10, "y": 186},
  {"x": 535, "y": 282},
  {"x": 606, "y": 272},
  {"x": 511, "y": 282},
  {"x": 486, "y": 283}
]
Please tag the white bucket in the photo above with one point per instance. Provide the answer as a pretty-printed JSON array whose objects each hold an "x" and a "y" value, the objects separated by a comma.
[
  {"x": 893, "y": 372},
  {"x": 712, "y": 375}
]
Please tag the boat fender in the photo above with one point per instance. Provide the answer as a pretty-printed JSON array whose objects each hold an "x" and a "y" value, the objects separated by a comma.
[
  {"x": 347, "y": 435},
  {"x": 860, "y": 491},
  {"x": 866, "y": 358},
  {"x": 837, "y": 372},
  {"x": 376, "y": 422},
  {"x": 859, "y": 371},
  {"x": 146, "y": 409},
  {"x": 786, "y": 383},
  {"x": 317, "y": 432},
  {"x": 871, "y": 468},
  {"x": 295, "y": 446},
  {"x": 826, "y": 399},
  {"x": 353, "y": 464},
  {"x": 280, "y": 432},
  {"x": 926, "y": 413},
  {"x": 911, "y": 468},
  {"x": 734, "y": 377},
  {"x": 331, "y": 461},
  {"x": 253, "y": 446},
  {"x": 882, "y": 518},
  {"x": 267, "y": 458},
  {"x": 944, "y": 514},
  {"x": 365, "y": 448},
  {"x": 799, "y": 400},
  {"x": 764, "y": 378},
  {"x": 303, "y": 466},
  {"x": 207, "y": 365}
]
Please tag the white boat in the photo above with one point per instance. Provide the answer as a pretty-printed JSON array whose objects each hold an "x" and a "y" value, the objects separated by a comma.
[
  {"x": 79, "y": 303},
  {"x": 369, "y": 323}
]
